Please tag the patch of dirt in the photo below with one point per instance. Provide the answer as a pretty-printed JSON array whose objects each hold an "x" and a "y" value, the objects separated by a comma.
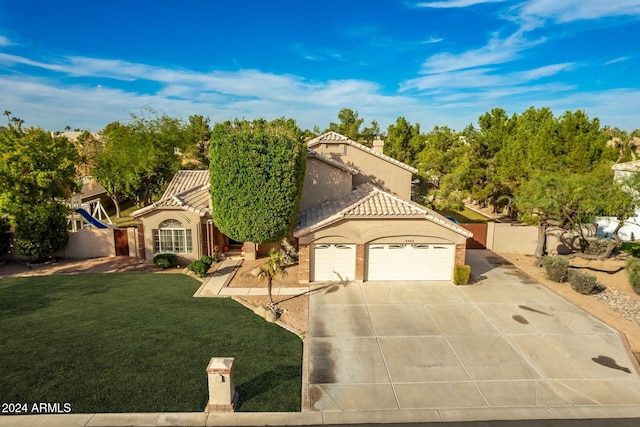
[
  {"x": 295, "y": 309},
  {"x": 69, "y": 266},
  {"x": 610, "y": 274},
  {"x": 244, "y": 278}
]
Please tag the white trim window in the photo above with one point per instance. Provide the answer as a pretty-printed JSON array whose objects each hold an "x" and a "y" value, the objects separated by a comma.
[{"x": 172, "y": 237}]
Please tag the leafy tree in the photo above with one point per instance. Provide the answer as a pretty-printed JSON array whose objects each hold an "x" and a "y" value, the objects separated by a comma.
[
  {"x": 138, "y": 159},
  {"x": 443, "y": 166},
  {"x": 349, "y": 124},
  {"x": 41, "y": 230},
  {"x": 257, "y": 171},
  {"x": 270, "y": 269},
  {"x": 369, "y": 134},
  {"x": 404, "y": 141},
  {"x": 117, "y": 163},
  {"x": 5, "y": 228},
  {"x": 35, "y": 168},
  {"x": 569, "y": 201},
  {"x": 198, "y": 134}
]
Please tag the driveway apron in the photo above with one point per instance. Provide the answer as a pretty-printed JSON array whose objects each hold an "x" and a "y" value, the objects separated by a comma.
[{"x": 506, "y": 341}]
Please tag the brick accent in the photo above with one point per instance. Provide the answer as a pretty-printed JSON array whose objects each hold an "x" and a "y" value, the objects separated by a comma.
[
  {"x": 359, "y": 263},
  {"x": 303, "y": 264},
  {"x": 461, "y": 252},
  {"x": 141, "y": 244}
]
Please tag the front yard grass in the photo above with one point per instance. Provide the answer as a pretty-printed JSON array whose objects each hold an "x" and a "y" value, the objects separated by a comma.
[
  {"x": 137, "y": 342},
  {"x": 466, "y": 216}
]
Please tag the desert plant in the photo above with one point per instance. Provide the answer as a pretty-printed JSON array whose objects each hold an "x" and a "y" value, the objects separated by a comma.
[
  {"x": 633, "y": 271},
  {"x": 556, "y": 268},
  {"x": 461, "y": 274},
  {"x": 582, "y": 283},
  {"x": 270, "y": 269},
  {"x": 165, "y": 260}
]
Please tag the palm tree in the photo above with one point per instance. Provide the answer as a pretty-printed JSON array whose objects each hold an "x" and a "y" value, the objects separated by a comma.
[{"x": 269, "y": 270}]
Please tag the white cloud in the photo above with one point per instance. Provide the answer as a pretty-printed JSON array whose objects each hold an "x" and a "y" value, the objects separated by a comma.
[
  {"x": 574, "y": 10},
  {"x": 5, "y": 41},
  {"x": 616, "y": 60},
  {"x": 482, "y": 78},
  {"x": 446, "y": 4},
  {"x": 221, "y": 95}
]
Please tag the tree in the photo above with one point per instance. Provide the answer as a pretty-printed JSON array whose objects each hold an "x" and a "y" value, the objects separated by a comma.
[
  {"x": 198, "y": 134},
  {"x": 270, "y": 269},
  {"x": 5, "y": 227},
  {"x": 117, "y": 162},
  {"x": 404, "y": 141},
  {"x": 41, "y": 230},
  {"x": 442, "y": 166},
  {"x": 138, "y": 159},
  {"x": 257, "y": 170},
  {"x": 571, "y": 201},
  {"x": 35, "y": 168},
  {"x": 349, "y": 124}
]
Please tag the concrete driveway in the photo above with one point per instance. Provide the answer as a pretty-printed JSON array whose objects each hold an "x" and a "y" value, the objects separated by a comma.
[{"x": 506, "y": 342}]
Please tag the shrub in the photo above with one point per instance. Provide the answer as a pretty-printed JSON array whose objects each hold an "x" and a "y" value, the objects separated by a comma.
[
  {"x": 594, "y": 246},
  {"x": 165, "y": 260},
  {"x": 5, "y": 227},
  {"x": 556, "y": 268},
  {"x": 633, "y": 271},
  {"x": 201, "y": 266},
  {"x": 461, "y": 274},
  {"x": 582, "y": 283}
]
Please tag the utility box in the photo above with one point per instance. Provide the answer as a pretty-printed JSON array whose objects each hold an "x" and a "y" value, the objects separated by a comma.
[{"x": 222, "y": 390}]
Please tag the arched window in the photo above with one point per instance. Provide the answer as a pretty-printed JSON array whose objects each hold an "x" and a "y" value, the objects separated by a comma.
[{"x": 171, "y": 236}]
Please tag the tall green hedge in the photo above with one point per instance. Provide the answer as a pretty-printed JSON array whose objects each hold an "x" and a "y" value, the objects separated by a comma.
[{"x": 257, "y": 171}]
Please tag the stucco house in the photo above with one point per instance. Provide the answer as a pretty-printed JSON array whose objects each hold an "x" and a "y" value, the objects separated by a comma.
[
  {"x": 631, "y": 228},
  {"x": 355, "y": 221}
]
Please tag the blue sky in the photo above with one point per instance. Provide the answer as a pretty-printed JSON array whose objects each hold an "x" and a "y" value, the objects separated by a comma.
[{"x": 440, "y": 62}]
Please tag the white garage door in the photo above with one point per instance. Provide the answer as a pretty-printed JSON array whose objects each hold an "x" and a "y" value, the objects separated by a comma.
[
  {"x": 410, "y": 262},
  {"x": 333, "y": 262}
]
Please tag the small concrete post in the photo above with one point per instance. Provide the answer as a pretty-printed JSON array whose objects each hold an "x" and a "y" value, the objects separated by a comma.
[{"x": 222, "y": 392}]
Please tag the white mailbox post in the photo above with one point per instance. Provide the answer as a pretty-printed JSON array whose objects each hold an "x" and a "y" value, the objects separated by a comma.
[{"x": 222, "y": 391}]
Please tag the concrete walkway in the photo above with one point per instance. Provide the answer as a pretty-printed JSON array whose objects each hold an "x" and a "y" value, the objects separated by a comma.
[
  {"x": 507, "y": 344},
  {"x": 216, "y": 284}
]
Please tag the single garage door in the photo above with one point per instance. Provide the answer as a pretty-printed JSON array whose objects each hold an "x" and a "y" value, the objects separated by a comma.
[
  {"x": 333, "y": 262},
  {"x": 409, "y": 261}
]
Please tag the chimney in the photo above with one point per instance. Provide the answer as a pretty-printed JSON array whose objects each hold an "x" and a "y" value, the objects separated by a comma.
[{"x": 378, "y": 145}]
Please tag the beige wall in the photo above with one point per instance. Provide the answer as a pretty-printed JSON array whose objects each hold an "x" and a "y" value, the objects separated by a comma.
[
  {"x": 372, "y": 169},
  {"x": 507, "y": 238},
  {"x": 89, "y": 243},
  {"x": 323, "y": 182},
  {"x": 189, "y": 220}
]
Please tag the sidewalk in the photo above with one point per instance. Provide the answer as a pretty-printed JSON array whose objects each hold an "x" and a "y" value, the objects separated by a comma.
[
  {"x": 215, "y": 286},
  {"x": 318, "y": 418}
]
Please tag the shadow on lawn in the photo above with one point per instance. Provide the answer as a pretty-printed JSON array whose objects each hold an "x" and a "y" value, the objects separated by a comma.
[
  {"x": 266, "y": 382},
  {"x": 15, "y": 301}
]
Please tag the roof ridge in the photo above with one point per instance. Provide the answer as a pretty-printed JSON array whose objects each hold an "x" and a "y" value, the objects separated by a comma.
[{"x": 319, "y": 139}]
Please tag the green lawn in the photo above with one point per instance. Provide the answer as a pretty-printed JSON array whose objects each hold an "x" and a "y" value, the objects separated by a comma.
[
  {"x": 137, "y": 342},
  {"x": 466, "y": 216}
]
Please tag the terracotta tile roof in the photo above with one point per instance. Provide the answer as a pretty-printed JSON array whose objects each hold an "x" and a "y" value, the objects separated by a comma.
[
  {"x": 185, "y": 180},
  {"x": 336, "y": 137},
  {"x": 188, "y": 190},
  {"x": 368, "y": 201}
]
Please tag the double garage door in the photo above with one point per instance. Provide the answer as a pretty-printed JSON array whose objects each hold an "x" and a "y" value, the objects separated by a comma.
[{"x": 334, "y": 262}]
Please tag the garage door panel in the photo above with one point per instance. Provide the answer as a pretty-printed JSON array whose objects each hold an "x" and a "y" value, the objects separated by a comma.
[
  {"x": 333, "y": 262},
  {"x": 409, "y": 262}
]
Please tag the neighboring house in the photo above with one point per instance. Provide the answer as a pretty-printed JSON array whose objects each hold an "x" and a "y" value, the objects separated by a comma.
[
  {"x": 355, "y": 219},
  {"x": 631, "y": 228}
]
